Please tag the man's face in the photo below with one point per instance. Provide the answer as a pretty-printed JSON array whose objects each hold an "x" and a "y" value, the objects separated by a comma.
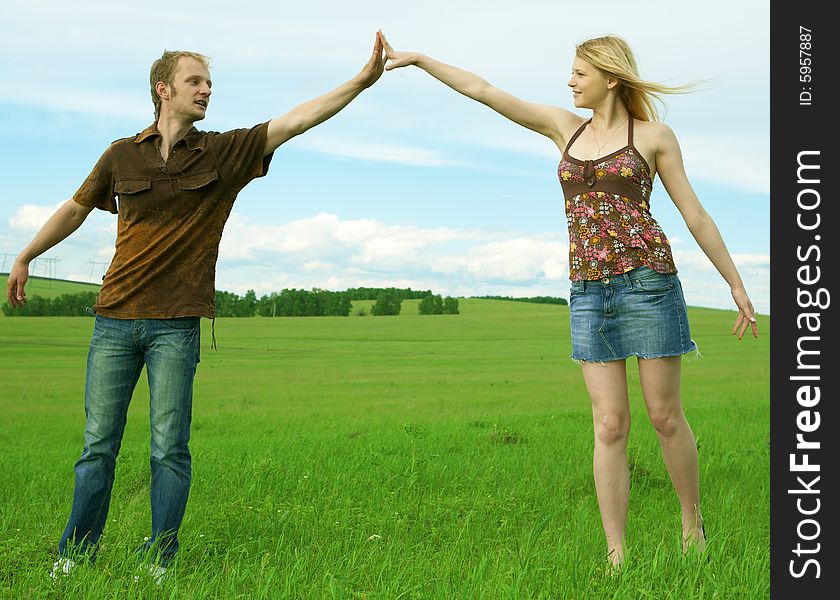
[{"x": 190, "y": 90}]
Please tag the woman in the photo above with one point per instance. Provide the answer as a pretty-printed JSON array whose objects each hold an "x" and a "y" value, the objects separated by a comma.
[{"x": 626, "y": 298}]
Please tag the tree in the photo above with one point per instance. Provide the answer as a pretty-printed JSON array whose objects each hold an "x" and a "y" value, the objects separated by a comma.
[
  {"x": 450, "y": 306},
  {"x": 248, "y": 307},
  {"x": 229, "y": 304},
  {"x": 389, "y": 302},
  {"x": 431, "y": 305}
]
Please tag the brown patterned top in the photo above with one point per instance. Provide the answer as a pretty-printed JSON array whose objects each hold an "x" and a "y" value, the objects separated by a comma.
[
  {"x": 611, "y": 230},
  {"x": 171, "y": 216}
]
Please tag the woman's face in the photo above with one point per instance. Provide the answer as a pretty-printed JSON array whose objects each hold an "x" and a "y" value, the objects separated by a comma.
[{"x": 589, "y": 84}]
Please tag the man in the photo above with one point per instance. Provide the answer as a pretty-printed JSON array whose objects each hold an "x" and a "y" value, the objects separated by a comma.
[{"x": 173, "y": 188}]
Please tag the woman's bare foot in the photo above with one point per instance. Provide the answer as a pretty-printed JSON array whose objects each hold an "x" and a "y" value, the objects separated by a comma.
[
  {"x": 693, "y": 534},
  {"x": 615, "y": 562}
]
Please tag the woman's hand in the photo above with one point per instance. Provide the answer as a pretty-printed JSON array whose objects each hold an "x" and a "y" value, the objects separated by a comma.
[
  {"x": 746, "y": 314},
  {"x": 396, "y": 59},
  {"x": 550, "y": 121}
]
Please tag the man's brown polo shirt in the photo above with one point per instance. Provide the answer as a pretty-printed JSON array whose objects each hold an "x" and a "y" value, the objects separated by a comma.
[{"x": 171, "y": 216}]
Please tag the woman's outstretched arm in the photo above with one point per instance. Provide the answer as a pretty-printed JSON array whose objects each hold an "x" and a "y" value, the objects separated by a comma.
[
  {"x": 551, "y": 121},
  {"x": 669, "y": 164}
]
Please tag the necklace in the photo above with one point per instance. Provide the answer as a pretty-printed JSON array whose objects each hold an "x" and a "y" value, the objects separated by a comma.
[{"x": 598, "y": 153}]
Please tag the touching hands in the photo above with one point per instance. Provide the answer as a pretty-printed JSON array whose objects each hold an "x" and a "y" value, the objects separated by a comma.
[
  {"x": 746, "y": 314},
  {"x": 395, "y": 59}
]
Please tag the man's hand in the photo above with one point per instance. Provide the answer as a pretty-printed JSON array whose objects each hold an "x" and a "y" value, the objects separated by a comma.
[
  {"x": 375, "y": 66},
  {"x": 65, "y": 221},
  {"x": 17, "y": 280},
  {"x": 309, "y": 114}
]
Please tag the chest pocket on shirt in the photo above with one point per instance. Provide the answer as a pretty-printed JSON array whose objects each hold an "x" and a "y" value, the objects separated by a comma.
[
  {"x": 172, "y": 197},
  {"x": 133, "y": 194},
  {"x": 197, "y": 181},
  {"x": 195, "y": 192}
]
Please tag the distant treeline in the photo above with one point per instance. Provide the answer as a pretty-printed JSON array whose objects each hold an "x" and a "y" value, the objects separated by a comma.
[
  {"x": 291, "y": 303},
  {"x": 313, "y": 303},
  {"x": 287, "y": 303},
  {"x": 365, "y": 293},
  {"x": 534, "y": 299},
  {"x": 66, "y": 305}
]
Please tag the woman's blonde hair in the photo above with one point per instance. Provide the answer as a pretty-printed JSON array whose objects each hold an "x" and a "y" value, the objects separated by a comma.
[{"x": 612, "y": 55}]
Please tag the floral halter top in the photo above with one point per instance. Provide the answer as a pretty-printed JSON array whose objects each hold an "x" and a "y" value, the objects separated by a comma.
[{"x": 611, "y": 230}]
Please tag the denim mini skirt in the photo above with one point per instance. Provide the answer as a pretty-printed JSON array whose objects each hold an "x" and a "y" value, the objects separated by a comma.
[{"x": 641, "y": 312}]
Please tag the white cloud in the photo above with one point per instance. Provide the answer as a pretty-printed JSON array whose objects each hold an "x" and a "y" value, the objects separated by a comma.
[
  {"x": 326, "y": 251},
  {"x": 31, "y": 217},
  {"x": 516, "y": 259},
  {"x": 326, "y": 238}
]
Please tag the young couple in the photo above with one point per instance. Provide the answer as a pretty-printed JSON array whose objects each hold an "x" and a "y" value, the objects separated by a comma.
[{"x": 173, "y": 187}]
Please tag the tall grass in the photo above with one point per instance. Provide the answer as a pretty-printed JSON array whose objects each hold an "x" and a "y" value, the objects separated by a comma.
[{"x": 391, "y": 457}]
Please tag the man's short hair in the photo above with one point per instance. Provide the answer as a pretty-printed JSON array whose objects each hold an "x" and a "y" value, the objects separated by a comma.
[{"x": 164, "y": 68}]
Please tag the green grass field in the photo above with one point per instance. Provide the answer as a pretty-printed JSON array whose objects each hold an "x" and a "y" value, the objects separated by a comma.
[{"x": 391, "y": 457}]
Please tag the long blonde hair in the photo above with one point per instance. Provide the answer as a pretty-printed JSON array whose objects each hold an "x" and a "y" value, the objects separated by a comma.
[{"x": 613, "y": 55}]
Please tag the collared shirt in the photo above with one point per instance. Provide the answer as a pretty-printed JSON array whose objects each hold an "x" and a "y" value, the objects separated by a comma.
[{"x": 171, "y": 216}]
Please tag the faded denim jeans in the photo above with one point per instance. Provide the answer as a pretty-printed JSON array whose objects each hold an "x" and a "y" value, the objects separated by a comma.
[{"x": 170, "y": 350}]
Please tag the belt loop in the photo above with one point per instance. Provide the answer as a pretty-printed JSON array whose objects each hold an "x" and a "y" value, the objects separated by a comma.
[
  {"x": 583, "y": 282},
  {"x": 627, "y": 281}
]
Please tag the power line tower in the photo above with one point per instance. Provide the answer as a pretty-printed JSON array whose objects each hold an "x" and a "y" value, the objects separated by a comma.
[
  {"x": 47, "y": 266},
  {"x": 93, "y": 264},
  {"x": 10, "y": 258}
]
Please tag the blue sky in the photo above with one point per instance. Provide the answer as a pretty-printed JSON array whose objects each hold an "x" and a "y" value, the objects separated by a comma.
[{"x": 412, "y": 184}]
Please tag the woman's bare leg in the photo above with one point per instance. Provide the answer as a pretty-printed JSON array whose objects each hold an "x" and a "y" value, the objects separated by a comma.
[
  {"x": 607, "y": 387},
  {"x": 660, "y": 379}
]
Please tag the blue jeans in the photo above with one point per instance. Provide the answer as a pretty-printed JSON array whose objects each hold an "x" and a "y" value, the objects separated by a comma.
[{"x": 170, "y": 350}]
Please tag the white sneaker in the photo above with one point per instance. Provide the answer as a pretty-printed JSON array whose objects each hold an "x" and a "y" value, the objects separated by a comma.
[
  {"x": 62, "y": 567},
  {"x": 158, "y": 574}
]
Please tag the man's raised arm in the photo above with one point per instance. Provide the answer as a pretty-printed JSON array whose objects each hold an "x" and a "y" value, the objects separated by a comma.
[
  {"x": 312, "y": 113},
  {"x": 65, "y": 221}
]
